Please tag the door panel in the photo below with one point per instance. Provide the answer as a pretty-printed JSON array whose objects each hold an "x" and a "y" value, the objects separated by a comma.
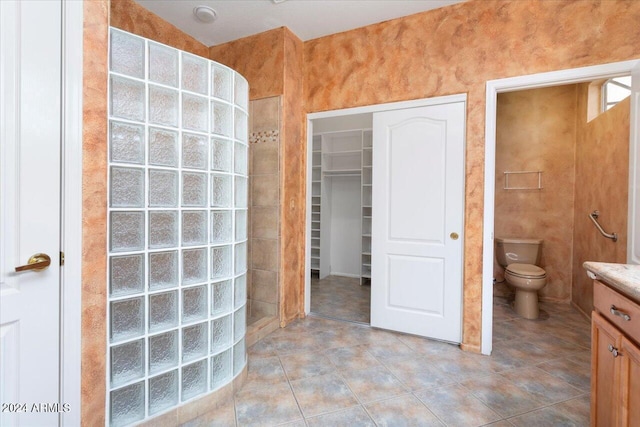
[
  {"x": 418, "y": 201},
  {"x": 30, "y": 146}
]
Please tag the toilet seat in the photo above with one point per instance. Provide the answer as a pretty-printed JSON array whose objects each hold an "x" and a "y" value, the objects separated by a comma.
[{"x": 526, "y": 271}]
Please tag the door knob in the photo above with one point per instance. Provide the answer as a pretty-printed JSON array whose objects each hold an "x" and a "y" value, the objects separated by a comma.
[
  {"x": 454, "y": 236},
  {"x": 37, "y": 262}
]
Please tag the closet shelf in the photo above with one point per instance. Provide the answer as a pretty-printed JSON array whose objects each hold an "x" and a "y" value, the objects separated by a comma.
[
  {"x": 342, "y": 172},
  {"x": 341, "y": 153}
]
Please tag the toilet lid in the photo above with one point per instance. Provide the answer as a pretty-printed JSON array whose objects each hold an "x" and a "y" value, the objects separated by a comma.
[{"x": 526, "y": 270}]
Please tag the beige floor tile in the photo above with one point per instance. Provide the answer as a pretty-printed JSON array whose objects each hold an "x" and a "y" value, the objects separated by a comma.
[
  {"x": 502, "y": 396},
  {"x": 547, "y": 388},
  {"x": 355, "y": 416},
  {"x": 572, "y": 413},
  {"x": 374, "y": 384},
  {"x": 573, "y": 372},
  {"x": 264, "y": 372},
  {"x": 322, "y": 394},
  {"x": 457, "y": 407},
  {"x": 266, "y": 406},
  {"x": 303, "y": 365},
  {"x": 351, "y": 358},
  {"x": 404, "y": 410}
]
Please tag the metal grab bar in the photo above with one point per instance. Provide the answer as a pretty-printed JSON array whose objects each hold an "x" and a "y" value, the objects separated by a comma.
[{"x": 594, "y": 217}]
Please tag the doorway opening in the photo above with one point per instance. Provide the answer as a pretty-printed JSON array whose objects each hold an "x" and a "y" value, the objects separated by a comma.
[
  {"x": 341, "y": 185},
  {"x": 581, "y": 78}
]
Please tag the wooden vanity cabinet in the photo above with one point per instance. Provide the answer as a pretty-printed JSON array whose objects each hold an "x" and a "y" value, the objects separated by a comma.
[{"x": 615, "y": 359}]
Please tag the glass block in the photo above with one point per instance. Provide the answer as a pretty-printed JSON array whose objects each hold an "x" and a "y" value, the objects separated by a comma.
[
  {"x": 241, "y": 92},
  {"x": 221, "y": 78},
  {"x": 163, "y": 351},
  {"x": 194, "y": 380},
  {"x": 163, "y": 229},
  {"x": 239, "y": 323},
  {"x": 241, "y": 192},
  {"x": 127, "y": 318},
  {"x": 194, "y": 341},
  {"x": 127, "y": 54},
  {"x": 126, "y": 143},
  {"x": 241, "y": 124},
  {"x": 220, "y": 191},
  {"x": 239, "y": 356},
  {"x": 127, "y": 404},
  {"x": 163, "y": 147},
  {"x": 220, "y": 334},
  {"x": 127, "y": 188},
  {"x": 220, "y": 262},
  {"x": 220, "y": 369},
  {"x": 163, "y": 188},
  {"x": 241, "y": 225},
  {"x": 127, "y": 362},
  {"x": 221, "y": 155},
  {"x": 221, "y": 297},
  {"x": 195, "y": 151},
  {"x": 163, "y": 64},
  {"x": 222, "y": 119},
  {"x": 240, "y": 258},
  {"x": 163, "y": 392},
  {"x": 126, "y": 275},
  {"x": 194, "y": 304},
  {"x": 195, "y": 112},
  {"x": 163, "y": 311},
  {"x": 127, "y": 98},
  {"x": 194, "y": 189},
  {"x": 240, "y": 291},
  {"x": 194, "y": 266},
  {"x": 194, "y": 228},
  {"x": 163, "y": 106},
  {"x": 194, "y": 74},
  {"x": 163, "y": 270},
  {"x": 240, "y": 159},
  {"x": 127, "y": 231},
  {"x": 220, "y": 227}
]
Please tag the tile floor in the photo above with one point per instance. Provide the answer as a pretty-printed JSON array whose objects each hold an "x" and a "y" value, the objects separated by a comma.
[
  {"x": 342, "y": 298},
  {"x": 321, "y": 372}
]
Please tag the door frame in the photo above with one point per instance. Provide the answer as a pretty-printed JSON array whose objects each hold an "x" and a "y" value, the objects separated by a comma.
[
  {"x": 71, "y": 215},
  {"x": 424, "y": 102},
  {"x": 534, "y": 81}
]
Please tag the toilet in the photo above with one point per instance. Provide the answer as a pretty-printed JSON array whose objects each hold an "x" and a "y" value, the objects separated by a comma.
[{"x": 519, "y": 258}]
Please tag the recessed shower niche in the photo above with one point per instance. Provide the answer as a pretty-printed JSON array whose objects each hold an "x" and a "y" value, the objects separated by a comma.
[{"x": 178, "y": 185}]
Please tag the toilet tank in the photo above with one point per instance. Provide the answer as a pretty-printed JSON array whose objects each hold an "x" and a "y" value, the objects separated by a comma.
[{"x": 523, "y": 251}]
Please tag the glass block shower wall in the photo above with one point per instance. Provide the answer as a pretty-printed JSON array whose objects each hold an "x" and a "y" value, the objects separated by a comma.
[{"x": 177, "y": 227}]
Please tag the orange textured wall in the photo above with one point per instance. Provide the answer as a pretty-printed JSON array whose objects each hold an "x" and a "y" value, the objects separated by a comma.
[
  {"x": 94, "y": 212},
  {"x": 130, "y": 16},
  {"x": 536, "y": 130},
  {"x": 457, "y": 49},
  {"x": 602, "y": 171},
  {"x": 293, "y": 166},
  {"x": 260, "y": 59}
]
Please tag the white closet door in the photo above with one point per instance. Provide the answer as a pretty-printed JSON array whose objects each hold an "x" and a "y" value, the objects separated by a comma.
[{"x": 417, "y": 224}]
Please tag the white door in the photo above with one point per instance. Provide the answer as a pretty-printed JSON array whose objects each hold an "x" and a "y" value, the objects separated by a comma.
[
  {"x": 418, "y": 211},
  {"x": 30, "y": 147}
]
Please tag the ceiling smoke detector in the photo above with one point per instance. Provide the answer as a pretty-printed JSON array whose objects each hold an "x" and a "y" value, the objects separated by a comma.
[
  {"x": 205, "y": 14},
  {"x": 278, "y": 1}
]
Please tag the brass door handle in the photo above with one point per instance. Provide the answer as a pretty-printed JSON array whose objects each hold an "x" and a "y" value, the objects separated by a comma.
[
  {"x": 454, "y": 236},
  {"x": 37, "y": 262}
]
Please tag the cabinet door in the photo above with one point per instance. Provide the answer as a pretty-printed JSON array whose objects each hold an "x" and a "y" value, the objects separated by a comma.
[
  {"x": 629, "y": 414},
  {"x": 605, "y": 340}
]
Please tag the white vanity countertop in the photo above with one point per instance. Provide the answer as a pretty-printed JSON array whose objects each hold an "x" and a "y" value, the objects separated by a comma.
[{"x": 622, "y": 277}]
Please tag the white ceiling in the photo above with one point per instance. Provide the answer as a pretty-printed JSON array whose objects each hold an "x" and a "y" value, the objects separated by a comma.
[{"x": 308, "y": 19}]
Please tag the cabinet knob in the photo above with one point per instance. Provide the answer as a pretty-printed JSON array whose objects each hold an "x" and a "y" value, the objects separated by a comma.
[{"x": 613, "y": 350}]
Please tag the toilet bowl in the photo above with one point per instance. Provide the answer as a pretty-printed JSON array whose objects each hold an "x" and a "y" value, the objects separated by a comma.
[
  {"x": 527, "y": 280},
  {"x": 519, "y": 257}
]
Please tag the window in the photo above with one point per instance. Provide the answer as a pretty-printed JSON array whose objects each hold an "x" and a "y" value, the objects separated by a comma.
[{"x": 615, "y": 90}]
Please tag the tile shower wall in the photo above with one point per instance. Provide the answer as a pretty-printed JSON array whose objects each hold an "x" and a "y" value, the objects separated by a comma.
[
  {"x": 178, "y": 220},
  {"x": 264, "y": 231}
]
